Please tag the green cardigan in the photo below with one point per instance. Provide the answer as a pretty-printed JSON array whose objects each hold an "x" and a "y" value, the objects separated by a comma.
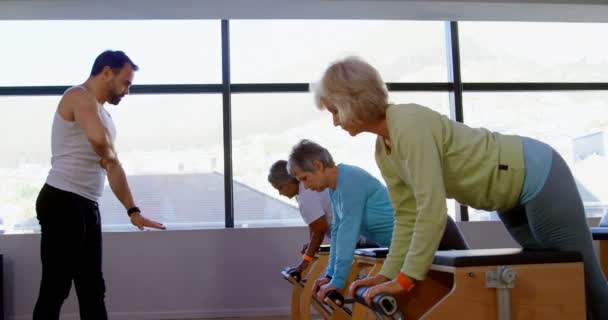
[{"x": 432, "y": 158}]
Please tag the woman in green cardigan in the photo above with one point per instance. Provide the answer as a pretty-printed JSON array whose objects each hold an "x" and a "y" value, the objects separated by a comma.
[{"x": 425, "y": 158}]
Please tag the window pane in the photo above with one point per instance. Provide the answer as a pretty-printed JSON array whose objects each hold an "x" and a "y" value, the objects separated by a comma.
[
  {"x": 62, "y": 52},
  {"x": 25, "y": 125},
  {"x": 170, "y": 146},
  {"x": 266, "y": 126},
  {"x": 267, "y": 51},
  {"x": 573, "y": 123},
  {"x": 543, "y": 52}
]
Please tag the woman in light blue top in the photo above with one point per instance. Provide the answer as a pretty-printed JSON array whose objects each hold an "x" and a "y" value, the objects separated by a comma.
[{"x": 361, "y": 206}]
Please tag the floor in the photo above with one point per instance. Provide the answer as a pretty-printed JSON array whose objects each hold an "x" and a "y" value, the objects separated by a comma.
[
  {"x": 263, "y": 318},
  {"x": 255, "y": 318}
]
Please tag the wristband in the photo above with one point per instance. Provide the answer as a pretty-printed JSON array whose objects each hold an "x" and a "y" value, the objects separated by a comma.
[
  {"x": 406, "y": 283},
  {"x": 132, "y": 211},
  {"x": 307, "y": 258}
]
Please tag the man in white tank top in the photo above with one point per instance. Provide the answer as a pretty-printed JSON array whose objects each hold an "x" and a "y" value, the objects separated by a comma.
[
  {"x": 315, "y": 209},
  {"x": 82, "y": 147}
]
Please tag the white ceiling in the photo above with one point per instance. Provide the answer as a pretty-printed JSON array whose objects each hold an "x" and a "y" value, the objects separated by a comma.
[{"x": 486, "y": 10}]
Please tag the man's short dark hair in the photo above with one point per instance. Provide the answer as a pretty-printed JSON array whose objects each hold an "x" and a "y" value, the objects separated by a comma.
[
  {"x": 279, "y": 175},
  {"x": 113, "y": 59}
]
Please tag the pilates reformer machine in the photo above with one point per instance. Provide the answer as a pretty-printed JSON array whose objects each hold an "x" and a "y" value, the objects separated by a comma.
[{"x": 501, "y": 284}]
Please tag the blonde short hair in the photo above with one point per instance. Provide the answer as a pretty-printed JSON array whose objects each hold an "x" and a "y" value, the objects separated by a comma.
[{"x": 355, "y": 88}]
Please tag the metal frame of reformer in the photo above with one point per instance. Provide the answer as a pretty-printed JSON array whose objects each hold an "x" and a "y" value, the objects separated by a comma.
[
  {"x": 363, "y": 266},
  {"x": 538, "y": 291},
  {"x": 384, "y": 306},
  {"x": 302, "y": 290},
  {"x": 330, "y": 310}
]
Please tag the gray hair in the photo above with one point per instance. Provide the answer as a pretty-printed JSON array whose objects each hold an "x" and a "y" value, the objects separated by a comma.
[
  {"x": 279, "y": 175},
  {"x": 355, "y": 88},
  {"x": 305, "y": 153}
]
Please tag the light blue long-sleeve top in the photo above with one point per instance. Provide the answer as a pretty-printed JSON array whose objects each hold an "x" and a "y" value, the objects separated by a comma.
[{"x": 361, "y": 206}]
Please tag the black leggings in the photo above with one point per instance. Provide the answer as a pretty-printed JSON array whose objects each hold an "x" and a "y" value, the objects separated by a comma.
[
  {"x": 555, "y": 219},
  {"x": 70, "y": 249},
  {"x": 452, "y": 237}
]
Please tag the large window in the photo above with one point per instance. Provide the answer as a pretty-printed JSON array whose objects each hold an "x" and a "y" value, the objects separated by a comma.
[
  {"x": 172, "y": 139},
  {"x": 534, "y": 52},
  {"x": 38, "y": 53},
  {"x": 574, "y": 123},
  {"x": 270, "y": 51},
  {"x": 266, "y": 126},
  {"x": 25, "y": 126},
  {"x": 170, "y": 146},
  {"x": 541, "y": 53},
  {"x": 172, "y": 150}
]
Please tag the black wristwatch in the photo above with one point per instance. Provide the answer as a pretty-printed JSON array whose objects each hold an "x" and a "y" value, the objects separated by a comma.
[{"x": 132, "y": 211}]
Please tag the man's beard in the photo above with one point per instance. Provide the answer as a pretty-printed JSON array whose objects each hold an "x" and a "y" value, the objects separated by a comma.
[{"x": 114, "y": 99}]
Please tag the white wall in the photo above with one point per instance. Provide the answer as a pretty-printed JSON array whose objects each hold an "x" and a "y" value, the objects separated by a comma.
[
  {"x": 182, "y": 274},
  {"x": 173, "y": 274}
]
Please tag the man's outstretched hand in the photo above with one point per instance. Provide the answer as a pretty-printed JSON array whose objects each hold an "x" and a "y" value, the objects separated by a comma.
[{"x": 141, "y": 222}]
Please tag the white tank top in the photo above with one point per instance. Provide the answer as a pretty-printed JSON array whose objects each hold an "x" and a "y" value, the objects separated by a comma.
[
  {"x": 74, "y": 164},
  {"x": 313, "y": 205}
]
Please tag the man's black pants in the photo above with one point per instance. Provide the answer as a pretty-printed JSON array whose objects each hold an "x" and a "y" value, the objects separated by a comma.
[{"x": 70, "y": 249}]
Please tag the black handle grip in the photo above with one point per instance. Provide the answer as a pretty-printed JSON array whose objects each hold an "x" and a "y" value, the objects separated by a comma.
[
  {"x": 382, "y": 303},
  {"x": 360, "y": 295},
  {"x": 335, "y": 297},
  {"x": 296, "y": 275}
]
